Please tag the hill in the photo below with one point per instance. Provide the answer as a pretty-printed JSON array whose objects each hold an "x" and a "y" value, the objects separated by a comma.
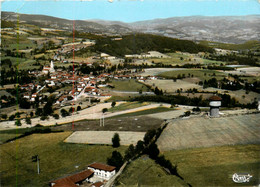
[
  {"x": 225, "y": 29},
  {"x": 142, "y": 43},
  {"x": 59, "y": 23}
]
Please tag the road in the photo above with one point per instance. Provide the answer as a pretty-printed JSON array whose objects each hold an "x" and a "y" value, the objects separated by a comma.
[{"x": 91, "y": 113}]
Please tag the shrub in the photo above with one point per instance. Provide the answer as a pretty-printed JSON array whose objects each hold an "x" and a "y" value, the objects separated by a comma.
[{"x": 116, "y": 140}]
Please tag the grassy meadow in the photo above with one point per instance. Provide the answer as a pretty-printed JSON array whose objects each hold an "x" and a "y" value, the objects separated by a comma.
[
  {"x": 128, "y": 85},
  {"x": 201, "y": 74},
  {"x": 215, "y": 166},
  {"x": 127, "y": 106},
  {"x": 145, "y": 172},
  {"x": 57, "y": 159}
]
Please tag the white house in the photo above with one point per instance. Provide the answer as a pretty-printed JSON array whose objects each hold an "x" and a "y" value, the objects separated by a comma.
[{"x": 103, "y": 171}]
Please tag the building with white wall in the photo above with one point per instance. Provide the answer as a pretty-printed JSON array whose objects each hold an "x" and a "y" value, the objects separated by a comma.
[{"x": 103, "y": 171}]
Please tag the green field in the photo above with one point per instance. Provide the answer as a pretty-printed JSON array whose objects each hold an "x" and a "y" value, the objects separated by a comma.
[
  {"x": 212, "y": 62},
  {"x": 128, "y": 85},
  {"x": 23, "y": 63},
  {"x": 57, "y": 159},
  {"x": 127, "y": 106},
  {"x": 247, "y": 45},
  {"x": 145, "y": 172},
  {"x": 215, "y": 166},
  {"x": 201, "y": 74},
  {"x": 5, "y": 137},
  {"x": 145, "y": 112},
  {"x": 121, "y": 97},
  {"x": 175, "y": 59}
]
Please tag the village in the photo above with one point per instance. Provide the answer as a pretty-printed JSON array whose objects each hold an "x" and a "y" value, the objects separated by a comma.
[{"x": 104, "y": 104}]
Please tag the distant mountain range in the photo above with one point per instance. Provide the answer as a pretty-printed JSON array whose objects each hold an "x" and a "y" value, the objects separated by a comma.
[{"x": 226, "y": 29}]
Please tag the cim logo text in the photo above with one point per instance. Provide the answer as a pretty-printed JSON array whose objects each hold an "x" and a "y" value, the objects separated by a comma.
[{"x": 241, "y": 178}]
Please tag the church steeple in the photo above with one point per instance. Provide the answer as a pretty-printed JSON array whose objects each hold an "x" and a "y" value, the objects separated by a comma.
[{"x": 52, "y": 67}]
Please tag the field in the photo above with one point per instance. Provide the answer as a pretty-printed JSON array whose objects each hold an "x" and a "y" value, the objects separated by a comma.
[
  {"x": 145, "y": 172},
  {"x": 7, "y": 136},
  {"x": 170, "y": 86},
  {"x": 128, "y": 85},
  {"x": 104, "y": 137},
  {"x": 127, "y": 105},
  {"x": 146, "y": 112},
  {"x": 201, "y": 74},
  {"x": 247, "y": 45},
  {"x": 57, "y": 159},
  {"x": 184, "y": 58},
  {"x": 215, "y": 166},
  {"x": 134, "y": 123},
  {"x": 157, "y": 71},
  {"x": 207, "y": 132}
]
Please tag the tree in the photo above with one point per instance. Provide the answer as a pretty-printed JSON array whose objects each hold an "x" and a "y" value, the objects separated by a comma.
[
  {"x": 113, "y": 104},
  {"x": 116, "y": 140},
  {"x": 104, "y": 110},
  {"x": 18, "y": 122},
  {"x": 64, "y": 113},
  {"x": 197, "y": 109},
  {"x": 187, "y": 113},
  {"x": 28, "y": 121},
  {"x": 115, "y": 160},
  {"x": 38, "y": 112},
  {"x": 130, "y": 152},
  {"x": 149, "y": 136},
  {"x": 24, "y": 104},
  {"x": 153, "y": 151},
  {"x": 78, "y": 108},
  {"x": 56, "y": 116},
  {"x": 43, "y": 118},
  {"x": 4, "y": 116},
  {"x": 71, "y": 110},
  {"x": 139, "y": 147},
  {"x": 11, "y": 118},
  {"x": 47, "y": 109}
]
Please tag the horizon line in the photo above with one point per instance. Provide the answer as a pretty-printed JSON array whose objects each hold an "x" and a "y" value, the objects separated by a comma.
[{"x": 98, "y": 19}]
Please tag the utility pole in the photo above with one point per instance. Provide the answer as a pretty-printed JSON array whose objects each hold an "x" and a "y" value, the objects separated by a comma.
[
  {"x": 103, "y": 120},
  {"x": 37, "y": 159}
]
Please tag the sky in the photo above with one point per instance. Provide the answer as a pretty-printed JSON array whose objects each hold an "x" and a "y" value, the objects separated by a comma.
[{"x": 133, "y": 10}]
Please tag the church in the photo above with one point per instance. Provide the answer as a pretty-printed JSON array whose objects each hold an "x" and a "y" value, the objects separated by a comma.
[{"x": 47, "y": 69}]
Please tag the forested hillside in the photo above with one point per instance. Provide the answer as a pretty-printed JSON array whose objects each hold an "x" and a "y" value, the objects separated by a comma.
[{"x": 141, "y": 43}]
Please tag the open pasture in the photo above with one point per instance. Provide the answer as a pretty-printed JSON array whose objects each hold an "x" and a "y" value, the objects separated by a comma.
[
  {"x": 214, "y": 166},
  {"x": 127, "y": 105},
  {"x": 202, "y": 74},
  {"x": 57, "y": 159},
  {"x": 170, "y": 86},
  {"x": 157, "y": 71},
  {"x": 128, "y": 85},
  {"x": 145, "y": 172}
]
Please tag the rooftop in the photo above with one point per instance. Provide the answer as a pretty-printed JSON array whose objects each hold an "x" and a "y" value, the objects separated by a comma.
[
  {"x": 72, "y": 179},
  {"x": 102, "y": 167}
]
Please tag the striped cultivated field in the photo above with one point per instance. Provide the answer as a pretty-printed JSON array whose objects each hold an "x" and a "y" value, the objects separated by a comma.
[{"x": 206, "y": 132}]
